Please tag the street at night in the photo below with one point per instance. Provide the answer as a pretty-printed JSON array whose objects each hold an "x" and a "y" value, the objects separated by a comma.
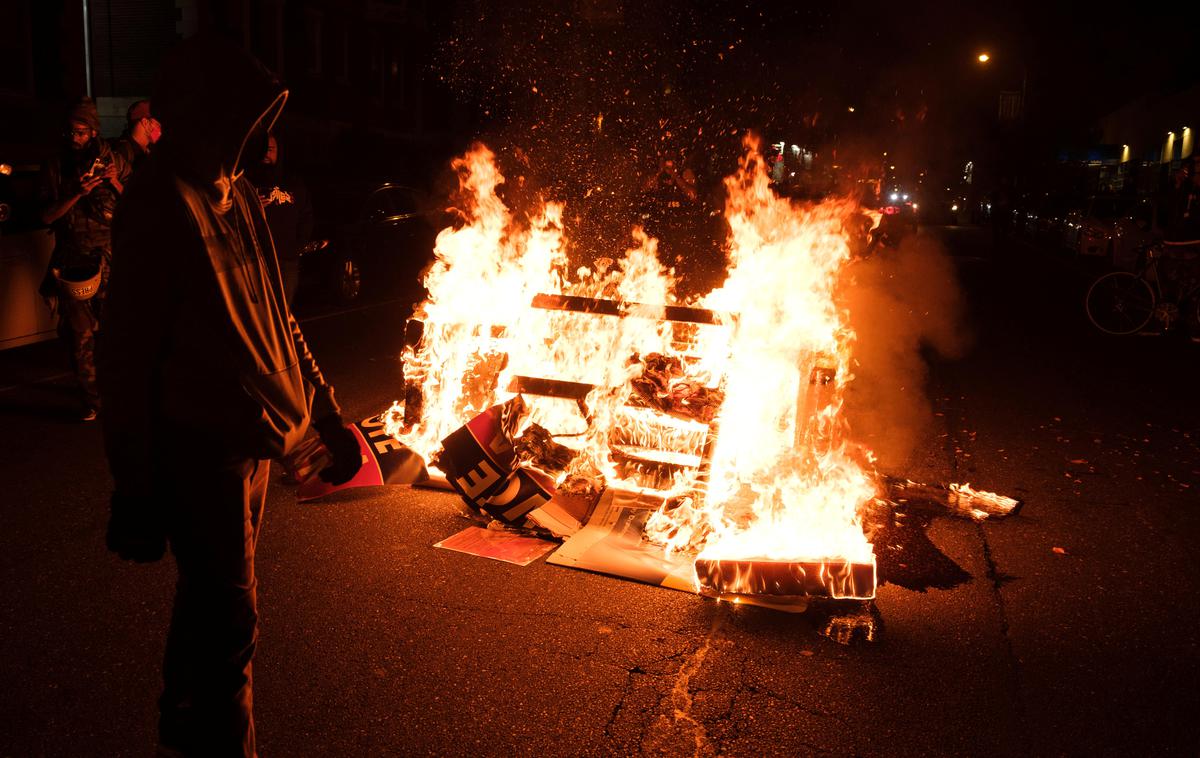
[
  {"x": 1074, "y": 634},
  {"x": 688, "y": 378}
]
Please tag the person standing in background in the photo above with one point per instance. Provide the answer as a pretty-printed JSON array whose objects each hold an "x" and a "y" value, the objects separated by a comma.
[
  {"x": 288, "y": 207},
  {"x": 141, "y": 132},
  {"x": 79, "y": 191}
]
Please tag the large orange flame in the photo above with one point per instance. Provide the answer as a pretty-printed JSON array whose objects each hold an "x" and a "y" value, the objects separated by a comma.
[
  {"x": 784, "y": 484},
  {"x": 781, "y": 481}
]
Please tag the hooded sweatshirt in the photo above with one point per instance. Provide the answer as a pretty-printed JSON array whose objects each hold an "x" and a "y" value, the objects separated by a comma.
[{"x": 201, "y": 353}]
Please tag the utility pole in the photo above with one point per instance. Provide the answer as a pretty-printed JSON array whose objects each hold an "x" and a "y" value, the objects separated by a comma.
[{"x": 87, "y": 48}]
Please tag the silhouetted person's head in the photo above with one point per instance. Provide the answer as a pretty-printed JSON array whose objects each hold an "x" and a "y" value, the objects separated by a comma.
[
  {"x": 83, "y": 124},
  {"x": 143, "y": 128}
]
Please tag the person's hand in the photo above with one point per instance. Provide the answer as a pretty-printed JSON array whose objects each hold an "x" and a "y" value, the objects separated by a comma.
[
  {"x": 343, "y": 450},
  {"x": 111, "y": 176},
  {"x": 135, "y": 528},
  {"x": 87, "y": 185}
]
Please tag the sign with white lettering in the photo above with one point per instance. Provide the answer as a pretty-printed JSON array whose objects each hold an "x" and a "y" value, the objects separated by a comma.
[{"x": 385, "y": 461}]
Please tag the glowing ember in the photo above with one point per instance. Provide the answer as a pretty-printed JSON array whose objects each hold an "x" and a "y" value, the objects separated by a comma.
[{"x": 734, "y": 419}]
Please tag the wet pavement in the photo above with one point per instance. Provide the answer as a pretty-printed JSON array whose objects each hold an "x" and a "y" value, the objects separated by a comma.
[{"x": 1070, "y": 628}]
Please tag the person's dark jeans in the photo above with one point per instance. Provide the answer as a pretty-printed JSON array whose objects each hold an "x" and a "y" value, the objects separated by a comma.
[
  {"x": 216, "y": 513},
  {"x": 78, "y": 326}
]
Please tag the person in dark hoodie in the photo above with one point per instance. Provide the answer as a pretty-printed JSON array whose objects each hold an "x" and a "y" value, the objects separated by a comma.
[{"x": 203, "y": 380}]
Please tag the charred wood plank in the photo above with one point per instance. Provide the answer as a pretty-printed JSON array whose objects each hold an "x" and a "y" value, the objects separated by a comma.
[
  {"x": 833, "y": 578},
  {"x": 602, "y": 307},
  {"x": 535, "y": 385}
]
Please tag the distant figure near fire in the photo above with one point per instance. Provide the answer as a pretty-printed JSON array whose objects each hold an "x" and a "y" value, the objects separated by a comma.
[
  {"x": 79, "y": 190},
  {"x": 203, "y": 377}
]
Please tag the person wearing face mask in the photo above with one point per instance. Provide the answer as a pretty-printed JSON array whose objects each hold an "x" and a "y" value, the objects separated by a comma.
[
  {"x": 205, "y": 378},
  {"x": 142, "y": 131}
]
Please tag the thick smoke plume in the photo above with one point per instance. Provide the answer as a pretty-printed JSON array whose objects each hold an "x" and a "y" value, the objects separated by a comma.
[{"x": 906, "y": 308}]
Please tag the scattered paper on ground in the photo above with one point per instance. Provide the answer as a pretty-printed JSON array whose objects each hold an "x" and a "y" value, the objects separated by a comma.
[
  {"x": 613, "y": 543},
  {"x": 498, "y": 545}
]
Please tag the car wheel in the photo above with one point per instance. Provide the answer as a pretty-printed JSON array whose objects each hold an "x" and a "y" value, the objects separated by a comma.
[{"x": 349, "y": 285}]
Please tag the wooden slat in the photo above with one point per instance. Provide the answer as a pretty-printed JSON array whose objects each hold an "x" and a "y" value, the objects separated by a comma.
[
  {"x": 835, "y": 578},
  {"x": 534, "y": 385},
  {"x": 601, "y": 307}
]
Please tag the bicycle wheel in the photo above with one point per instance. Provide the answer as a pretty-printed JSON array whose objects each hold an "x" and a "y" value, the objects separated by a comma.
[{"x": 1120, "y": 303}]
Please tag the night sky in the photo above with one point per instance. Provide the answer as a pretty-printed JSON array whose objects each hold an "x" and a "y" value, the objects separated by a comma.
[
  {"x": 776, "y": 64},
  {"x": 582, "y": 99}
]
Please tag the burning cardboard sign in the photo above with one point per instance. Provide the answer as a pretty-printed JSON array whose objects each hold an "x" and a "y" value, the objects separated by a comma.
[{"x": 487, "y": 464}]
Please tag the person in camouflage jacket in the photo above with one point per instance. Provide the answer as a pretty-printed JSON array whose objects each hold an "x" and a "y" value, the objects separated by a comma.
[{"x": 80, "y": 188}]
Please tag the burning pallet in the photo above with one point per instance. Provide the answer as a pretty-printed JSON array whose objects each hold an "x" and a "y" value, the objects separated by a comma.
[
  {"x": 658, "y": 439},
  {"x": 656, "y": 419}
]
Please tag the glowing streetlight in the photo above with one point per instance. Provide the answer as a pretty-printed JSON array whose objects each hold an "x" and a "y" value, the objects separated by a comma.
[{"x": 984, "y": 57}]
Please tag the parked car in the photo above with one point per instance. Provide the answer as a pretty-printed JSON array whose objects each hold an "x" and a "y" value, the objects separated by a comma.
[
  {"x": 371, "y": 241},
  {"x": 1051, "y": 215},
  {"x": 1038, "y": 217},
  {"x": 1110, "y": 227}
]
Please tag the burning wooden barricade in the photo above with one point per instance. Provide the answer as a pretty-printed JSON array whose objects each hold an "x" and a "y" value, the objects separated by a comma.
[
  {"x": 679, "y": 445},
  {"x": 662, "y": 435},
  {"x": 660, "y": 429}
]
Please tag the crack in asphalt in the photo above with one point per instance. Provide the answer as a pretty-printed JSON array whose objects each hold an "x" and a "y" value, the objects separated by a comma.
[
  {"x": 798, "y": 705},
  {"x": 679, "y": 696},
  {"x": 997, "y": 578},
  {"x": 744, "y": 688},
  {"x": 630, "y": 672},
  {"x": 679, "y": 726},
  {"x": 620, "y": 704},
  {"x": 753, "y": 690}
]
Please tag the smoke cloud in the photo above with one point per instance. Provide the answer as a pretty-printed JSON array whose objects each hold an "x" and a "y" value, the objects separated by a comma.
[{"x": 906, "y": 307}]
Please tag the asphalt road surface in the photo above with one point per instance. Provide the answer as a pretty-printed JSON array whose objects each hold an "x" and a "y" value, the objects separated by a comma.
[{"x": 1070, "y": 630}]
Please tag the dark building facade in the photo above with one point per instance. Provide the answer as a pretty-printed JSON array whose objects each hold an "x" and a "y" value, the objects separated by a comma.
[{"x": 361, "y": 72}]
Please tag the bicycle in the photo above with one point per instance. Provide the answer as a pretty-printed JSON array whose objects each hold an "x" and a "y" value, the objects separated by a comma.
[{"x": 1124, "y": 302}]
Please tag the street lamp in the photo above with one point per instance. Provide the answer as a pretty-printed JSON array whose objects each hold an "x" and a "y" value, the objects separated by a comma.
[{"x": 983, "y": 58}]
